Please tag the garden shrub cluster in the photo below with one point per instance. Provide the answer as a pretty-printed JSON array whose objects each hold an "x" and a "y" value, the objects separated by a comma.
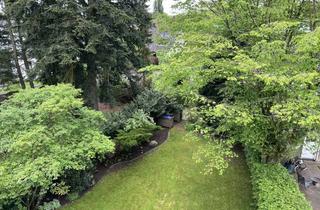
[
  {"x": 138, "y": 129},
  {"x": 47, "y": 137},
  {"x": 151, "y": 102},
  {"x": 273, "y": 187}
]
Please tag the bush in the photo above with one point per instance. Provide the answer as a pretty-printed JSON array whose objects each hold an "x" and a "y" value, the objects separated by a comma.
[
  {"x": 115, "y": 121},
  {"x": 52, "y": 205},
  {"x": 73, "y": 196},
  {"x": 274, "y": 188},
  {"x": 139, "y": 119},
  {"x": 138, "y": 129},
  {"x": 151, "y": 102},
  {"x": 128, "y": 139},
  {"x": 79, "y": 181},
  {"x": 43, "y": 133}
]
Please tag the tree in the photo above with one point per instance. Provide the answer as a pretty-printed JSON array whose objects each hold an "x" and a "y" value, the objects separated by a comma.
[
  {"x": 263, "y": 67},
  {"x": 6, "y": 66},
  {"x": 77, "y": 41},
  {"x": 9, "y": 28},
  {"x": 157, "y": 6},
  {"x": 24, "y": 57},
  {"x": 44, "y": 133}
]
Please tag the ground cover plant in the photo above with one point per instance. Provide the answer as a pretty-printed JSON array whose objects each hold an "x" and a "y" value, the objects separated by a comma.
[{"x": 169, "y": 179}]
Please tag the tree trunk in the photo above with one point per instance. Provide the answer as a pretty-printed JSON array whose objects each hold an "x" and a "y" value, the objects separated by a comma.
[
  {"x": 313, "y": 21},
  {"x": 90, "y": 89},
  {"x": 90, "y": 84},
  {"x": 15, "y": 53},
  {"x": 25, "y": 59}
]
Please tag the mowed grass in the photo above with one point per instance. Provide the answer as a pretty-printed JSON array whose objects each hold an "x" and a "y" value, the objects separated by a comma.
[{"x": 168, "y": 178}]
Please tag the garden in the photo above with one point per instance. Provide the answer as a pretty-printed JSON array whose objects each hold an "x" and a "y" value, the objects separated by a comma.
[{"x": 107, "y": 105}]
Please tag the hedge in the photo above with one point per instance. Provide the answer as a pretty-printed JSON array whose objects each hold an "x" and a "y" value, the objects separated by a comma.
[{"x": 274, "y": 188}]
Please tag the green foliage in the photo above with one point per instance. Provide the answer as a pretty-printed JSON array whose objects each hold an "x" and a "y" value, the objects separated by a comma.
[
  {"x": 185, "y": 23},
  {"x": 60, "y": 188},
  {"x": 114, "y": 122},
  {"x": 151, "y": 102},
  {"x": 6, "y": 56},
  {"x": 214, "y": 155},
  {"x": 80, "y": 41},
  {"x": 139, "y": 128},
  {"x": 261, "y": 63},
  {"x": 139, "y": 119},
  {"x": 52, "y": 205},
  {"x": 274, "y": 188},
  {"x": 78, "y": 181},
  {"x": 43, "y": 133},
  {"x": 128, "y": 139},
  {"x": 6, "y": 67},
  {"x": 73, "y": 196}
]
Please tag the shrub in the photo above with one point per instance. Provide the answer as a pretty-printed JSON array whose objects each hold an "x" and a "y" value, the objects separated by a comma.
[
  {"x": 73, "y": 196},
  {"x": 139, "y": 128},
  {"x": 139, "y": 119},
  {"x": 152, "y": 102},
  {"x": 79, "y": 181},
  {"x": 43, "y": 133},
  {"x": 52, "y": 205},
  {"x": 128, "y": 139},
  {"x": 115, "y": 121},
  {"x": 274, "y": 188}
]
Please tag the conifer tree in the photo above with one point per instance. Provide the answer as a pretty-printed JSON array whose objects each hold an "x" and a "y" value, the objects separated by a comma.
[{"x": 76, "y": 41}]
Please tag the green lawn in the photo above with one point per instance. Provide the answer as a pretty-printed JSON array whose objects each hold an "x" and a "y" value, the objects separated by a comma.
[{"x": 169, "y": 179}]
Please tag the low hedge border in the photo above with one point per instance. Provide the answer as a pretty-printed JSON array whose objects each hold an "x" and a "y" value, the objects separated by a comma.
[{"x": 273, "y": 187}]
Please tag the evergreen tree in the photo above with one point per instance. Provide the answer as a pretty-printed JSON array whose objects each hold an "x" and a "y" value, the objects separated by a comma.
[
  {"x": 6, "y": 67},
  {"x": 76, "y": 41},
  {"x": 9, "y": 28}
]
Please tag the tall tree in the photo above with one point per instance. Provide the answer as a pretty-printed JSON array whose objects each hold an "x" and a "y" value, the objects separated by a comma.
[
  {"x": 253, "y": 80},
  {"x": 10, "y": 30},
  {"x": 6, "y": 66},
  {"x": 24, "y": 56},
  {"x": 76, "y": 41}
]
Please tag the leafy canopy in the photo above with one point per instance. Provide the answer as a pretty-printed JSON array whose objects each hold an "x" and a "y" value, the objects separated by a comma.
[
  {"x": 43, "y": 133},
  {"x": 263, "y": 68}
]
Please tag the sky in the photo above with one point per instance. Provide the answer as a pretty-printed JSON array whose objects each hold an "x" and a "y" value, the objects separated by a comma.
[{"x": 166, "y": 6}]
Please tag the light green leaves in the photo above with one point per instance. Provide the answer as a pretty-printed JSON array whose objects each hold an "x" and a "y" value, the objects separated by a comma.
[{"x": 43, "y": 133}]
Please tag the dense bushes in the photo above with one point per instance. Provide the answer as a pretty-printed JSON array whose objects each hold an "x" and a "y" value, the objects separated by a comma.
[
  {"x": 151, "y": 102},
  {"x": 139, "y": 128},
  {"x": 274, "y": 188},
  {"x": 43, "y": 134}
]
